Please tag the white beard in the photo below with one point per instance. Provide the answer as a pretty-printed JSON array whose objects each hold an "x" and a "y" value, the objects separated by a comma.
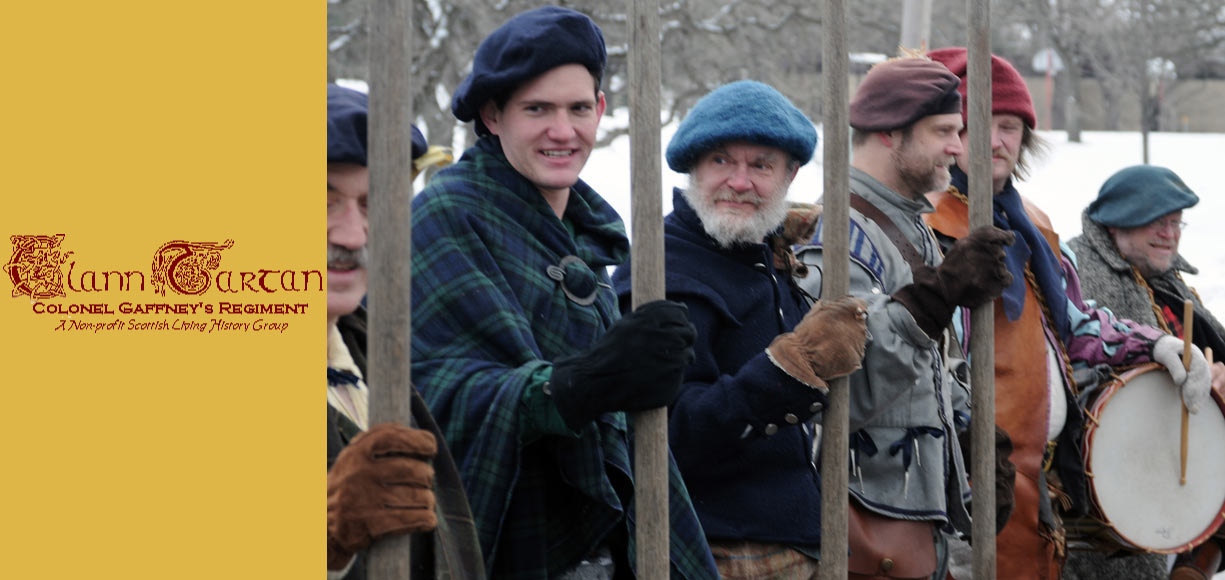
[{"x": 730, "y": 229}]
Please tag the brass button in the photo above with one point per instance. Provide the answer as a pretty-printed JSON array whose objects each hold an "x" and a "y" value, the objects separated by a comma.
[
  {"x": 790, "y": 418},
  {"x": 886, "y": 564},
  {"x": 813, "y": 408},
  {"x": 771, "y": 429}
]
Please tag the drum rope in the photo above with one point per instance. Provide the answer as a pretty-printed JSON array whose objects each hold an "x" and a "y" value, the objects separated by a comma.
[
  {"x": 1050, "y": 323},
  {"x": 1152, "y": 300},
  {"x": 1054, "y": 487}
]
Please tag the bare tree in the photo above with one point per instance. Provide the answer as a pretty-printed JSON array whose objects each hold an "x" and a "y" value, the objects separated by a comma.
[
  {"x": 1132, "y": 47},
  {"x": 1150, "y": 38},
  {"x": 707, "y": 43},
  {"x": 445, "y": 39}
]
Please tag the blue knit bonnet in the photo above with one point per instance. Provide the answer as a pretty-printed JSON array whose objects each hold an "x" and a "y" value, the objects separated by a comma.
[{"x": 742, "y": 111}]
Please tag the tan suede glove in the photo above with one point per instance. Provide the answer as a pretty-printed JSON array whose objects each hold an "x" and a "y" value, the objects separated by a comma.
[
  {"x": 380, "y": 485},
  {"x": 828, "y": 343}
]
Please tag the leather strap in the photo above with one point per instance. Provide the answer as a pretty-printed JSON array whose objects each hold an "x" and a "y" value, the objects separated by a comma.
[{"x": 903, "y": 245}]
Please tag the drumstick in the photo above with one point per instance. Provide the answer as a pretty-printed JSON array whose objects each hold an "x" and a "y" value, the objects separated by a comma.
[{"x": 1186, "y": 363}]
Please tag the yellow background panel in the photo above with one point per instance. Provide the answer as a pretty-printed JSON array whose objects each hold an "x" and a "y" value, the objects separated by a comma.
[{"x": 146, "y": 453}]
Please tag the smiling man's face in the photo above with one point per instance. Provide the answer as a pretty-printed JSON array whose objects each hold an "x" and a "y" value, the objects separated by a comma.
[
  {"x": 548, "y": 126},
  {"x": 1151, "y": 247},
  {"x": 348, "y": 231}
]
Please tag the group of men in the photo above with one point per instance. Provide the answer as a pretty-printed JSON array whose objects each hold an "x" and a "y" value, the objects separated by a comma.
[{"x": 527, "y": 355}]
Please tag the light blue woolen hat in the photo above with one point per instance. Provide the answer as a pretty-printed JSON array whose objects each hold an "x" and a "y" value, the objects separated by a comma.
[
  {"x": 1137, "y": 195},
  {"x": 742, "y": 111}
]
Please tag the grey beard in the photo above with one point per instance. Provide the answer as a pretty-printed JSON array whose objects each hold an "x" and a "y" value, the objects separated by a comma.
[{"x": 728, "y": 232}]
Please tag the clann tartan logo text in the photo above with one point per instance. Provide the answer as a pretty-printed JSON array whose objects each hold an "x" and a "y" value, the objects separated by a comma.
[{"x": 36, "y": 269}]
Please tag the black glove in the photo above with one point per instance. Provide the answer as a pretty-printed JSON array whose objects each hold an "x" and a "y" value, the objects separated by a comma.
[
  {"x": 638, "y": 364},
  {"x": 1005, "y": 473},
  {"x": 973, "y": 273}
]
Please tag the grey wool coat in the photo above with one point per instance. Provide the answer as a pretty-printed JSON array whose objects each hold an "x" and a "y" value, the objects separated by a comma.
[{"x": 1106, "y": 278}]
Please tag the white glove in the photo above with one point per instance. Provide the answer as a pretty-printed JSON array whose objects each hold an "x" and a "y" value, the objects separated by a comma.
[{"x": 1195, "y": 382}]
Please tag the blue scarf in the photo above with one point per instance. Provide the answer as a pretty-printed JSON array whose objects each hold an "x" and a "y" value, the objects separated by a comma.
[{"x": 1031, "y": 248}]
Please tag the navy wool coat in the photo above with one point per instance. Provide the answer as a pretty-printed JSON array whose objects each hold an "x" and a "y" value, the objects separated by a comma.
[{"x": 739, "y": 427}]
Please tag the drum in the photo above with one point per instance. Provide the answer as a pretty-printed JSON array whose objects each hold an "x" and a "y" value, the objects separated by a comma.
[{"x": 1132, "y": 456}]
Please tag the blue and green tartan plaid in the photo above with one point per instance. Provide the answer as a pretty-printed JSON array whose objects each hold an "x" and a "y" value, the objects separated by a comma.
[{"x": 486, "y": 317}]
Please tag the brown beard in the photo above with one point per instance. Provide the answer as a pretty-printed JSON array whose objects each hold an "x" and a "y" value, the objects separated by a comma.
[{"x": 919, "y": 179}]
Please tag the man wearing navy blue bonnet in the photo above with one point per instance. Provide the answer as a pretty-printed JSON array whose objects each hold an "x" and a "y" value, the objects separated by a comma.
[
  {"x": 741, "y": 426},
  {"x": 373, "y": 468},
  {"x": 1128, "y": 260},
  {"x": 518, "y": 344}
]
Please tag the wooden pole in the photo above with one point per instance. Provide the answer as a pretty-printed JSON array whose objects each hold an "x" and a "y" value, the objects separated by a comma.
[
  {"x": 390, "y": 271},
  {"x": 982, "y": 318},
  {"x": 647, "y": 279},
  {"x": 835, "y": 282},
  {"x": 916, "y": 24}
]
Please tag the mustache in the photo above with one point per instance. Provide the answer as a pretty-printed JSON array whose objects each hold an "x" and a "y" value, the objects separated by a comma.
[
  {"x": 342, "y": 258},
  {"x": 730, "y": 195}
]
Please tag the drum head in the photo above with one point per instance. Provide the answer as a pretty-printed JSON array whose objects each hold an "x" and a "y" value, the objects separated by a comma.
[{"x": 1134, "y": 455}]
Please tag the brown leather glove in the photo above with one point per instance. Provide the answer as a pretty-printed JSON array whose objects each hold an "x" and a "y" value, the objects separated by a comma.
[
  {"x": 801, "y": 222},
  {"x": 828, "y": 343},
  {"x": 799, "y": 226},
  {"x": 1005, "y": 473},
  {"x": 973, "y": 273},
  {"x": 380, "y": 485}
]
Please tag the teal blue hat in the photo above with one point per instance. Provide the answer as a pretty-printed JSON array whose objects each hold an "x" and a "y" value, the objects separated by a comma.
[
  {"x": 1138, "y": 195},
  {"x": 742, "y": 111}
]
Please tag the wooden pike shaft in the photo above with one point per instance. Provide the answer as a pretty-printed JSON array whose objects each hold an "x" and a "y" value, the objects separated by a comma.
[
  {"x": 391, "y": 191},
  {"x": 835, "y": 282},
  {"x": 647, "y": 280},
  {"x": 982, "y": 318}
]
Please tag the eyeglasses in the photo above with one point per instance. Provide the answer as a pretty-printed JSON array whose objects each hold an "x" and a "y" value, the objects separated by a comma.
[{"x": 1166, "y": 224}]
